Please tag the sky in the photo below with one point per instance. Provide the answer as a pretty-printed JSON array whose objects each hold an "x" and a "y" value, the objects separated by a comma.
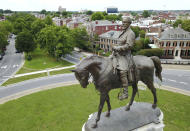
[{"x": 94, "y": 5}]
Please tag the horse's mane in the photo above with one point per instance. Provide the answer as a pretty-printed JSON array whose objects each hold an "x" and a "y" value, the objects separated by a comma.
[{"x": 89, "y": 60}]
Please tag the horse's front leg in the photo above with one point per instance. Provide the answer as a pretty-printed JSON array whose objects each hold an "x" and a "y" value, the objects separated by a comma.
[
  {"x": 101, "y": 105},
  {"x": 108, "y": 104},
  {"x": 133, "y": 96}
]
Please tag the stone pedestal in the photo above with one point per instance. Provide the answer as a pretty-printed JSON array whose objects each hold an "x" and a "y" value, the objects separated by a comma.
[{"x": 141, "y": 117}]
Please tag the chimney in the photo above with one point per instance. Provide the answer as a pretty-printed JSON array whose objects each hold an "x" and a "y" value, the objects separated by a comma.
[
  {"x": 179, "y": 25},
  {"x": 96, "y": 22},
  {"x": 159, "y": 31}
]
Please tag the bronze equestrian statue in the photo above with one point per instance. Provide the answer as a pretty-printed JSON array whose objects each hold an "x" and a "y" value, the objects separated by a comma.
[
  {"x": 105, "y": 79},
  {"x": 122, "y": 58},
  {"x": 120, "y": 70}
]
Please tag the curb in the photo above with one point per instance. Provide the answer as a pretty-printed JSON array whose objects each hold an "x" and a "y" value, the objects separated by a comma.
[{"x": 28, "y": 92}]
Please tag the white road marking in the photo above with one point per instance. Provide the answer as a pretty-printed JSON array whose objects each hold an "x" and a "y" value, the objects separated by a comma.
[
  {"x": 171, "y": 80},
  {"x": 15, "y": 66},
  {"x": 183, "y": 83},
  {"x": 4, "y": 67}
]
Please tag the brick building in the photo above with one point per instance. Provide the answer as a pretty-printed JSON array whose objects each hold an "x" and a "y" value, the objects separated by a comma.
[
  {"x": 108, "y": 39},
  {"x": 175, "y": 43},
  {"x": 102, "y": 26}
]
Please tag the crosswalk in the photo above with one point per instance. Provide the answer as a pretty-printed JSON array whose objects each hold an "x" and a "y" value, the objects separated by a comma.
[{"x": 12, "y": 66}]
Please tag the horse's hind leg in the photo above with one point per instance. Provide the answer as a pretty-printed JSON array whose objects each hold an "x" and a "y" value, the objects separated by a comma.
[
  {"x": 133, "y": 96},
  {"x": 153, "y": 90},
  {"x": 109, "y": 106}
]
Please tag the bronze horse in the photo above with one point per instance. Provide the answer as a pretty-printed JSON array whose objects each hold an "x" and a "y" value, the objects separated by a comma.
[{"x": 105, "y": 80}]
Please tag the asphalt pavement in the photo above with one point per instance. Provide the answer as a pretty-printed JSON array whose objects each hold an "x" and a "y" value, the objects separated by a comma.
[
  {"x": 11, "y": 62},
  {"x": 179, "y": 79}
]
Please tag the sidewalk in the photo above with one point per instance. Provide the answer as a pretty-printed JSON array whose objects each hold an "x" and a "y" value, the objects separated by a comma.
[
  {"x": 174, "y": 66},
  {"x": 43, "y": 71}
]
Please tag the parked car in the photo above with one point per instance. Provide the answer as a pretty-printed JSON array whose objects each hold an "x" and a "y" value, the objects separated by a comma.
[{"x": 1, "y": 57}]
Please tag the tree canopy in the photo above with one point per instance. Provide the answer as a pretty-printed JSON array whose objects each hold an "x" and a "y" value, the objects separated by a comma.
[
  {"x": 97, "y": 16},
  {"x": 146, "y": 14}
]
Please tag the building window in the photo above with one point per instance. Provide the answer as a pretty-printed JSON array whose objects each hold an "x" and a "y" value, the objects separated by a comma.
[
  {"x": 106, "y": 27},
  {"x": 170, "y": 52},
  {"x": 182, "y": 53},
  {"x": 188, "y": 53},
  {"x": 176, "y": 53},
  {"x": 115, "y": 27}
]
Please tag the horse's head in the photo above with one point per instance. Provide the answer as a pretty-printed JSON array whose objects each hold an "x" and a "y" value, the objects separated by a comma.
[{"x": 82, "y": 76}]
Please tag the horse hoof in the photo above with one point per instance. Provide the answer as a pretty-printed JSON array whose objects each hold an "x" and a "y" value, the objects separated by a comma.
[
  {"x": 94, "y": 125},
  {"x": 154, "y": 106},
  {"x": 127, "y": 109},
  {"x": 108, "y": 114}
]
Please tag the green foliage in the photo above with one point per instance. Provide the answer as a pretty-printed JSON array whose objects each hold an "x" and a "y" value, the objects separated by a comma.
[
  {"x": 21, "y": 22},
  {"x": 6, "y": 27},
  {"x": 186, "y": 25},
  {"x": 81, "y": 38},
  {"x": 146, "y": 14},
  {"x": 136, "y": 30},
  {"x": 48, "y": 20},
  {"x": 25, "y": 42},
  {"x": 89, "y": 12},
  {"x": 51, "y": 110},
  {"x": 163, "y": 21},
  {"x": 151, "y": 52},
  {"x": 43, "y": 11},
  {"x": 36, "y": 27},
  {"x": 97, "y": 16},
  {"x": 142, "y": 34},
  {"x": 56, "y": 40},
  {"x": 113, "y": 17},
  {"x": 3, "y": 41},
  {"x": 137, "y": 46},
  {"x": 134, "y": 13},
  {"x": 177, "y": 22},
  {"x": 64, "y": 14}
]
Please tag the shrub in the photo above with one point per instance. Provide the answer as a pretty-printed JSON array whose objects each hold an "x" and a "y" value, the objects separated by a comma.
[{"x": 151, "y": 52}]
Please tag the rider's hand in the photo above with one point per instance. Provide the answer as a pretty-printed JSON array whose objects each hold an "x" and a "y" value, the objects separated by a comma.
[{"x": 115, "y": 48}]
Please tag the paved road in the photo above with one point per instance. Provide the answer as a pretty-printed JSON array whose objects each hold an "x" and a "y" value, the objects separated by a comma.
[
  {"x": 10, "y": 62},
  {"x": 176, "y": 78},
  {"x": 35, "y": 83}
]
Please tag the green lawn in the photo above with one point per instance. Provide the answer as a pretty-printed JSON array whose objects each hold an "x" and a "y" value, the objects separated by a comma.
[
  {"x": 41, "y": 61},
  {"x": 67, "y": 108}
]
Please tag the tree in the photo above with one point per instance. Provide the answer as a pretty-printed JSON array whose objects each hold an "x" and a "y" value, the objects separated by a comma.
[
  {"x": 136, "y": 30},
  {"x": 142, "y": 34},
  {"x": 97, "y": 16},
  {"x": 65, "y": 14},
  {"x": 146, "y": 14},
  {"x": 89, "y": 12},
  {"x": 43, "y": 11},
  {"x": 177, "y": 22},
  {"x": 7, "y": 11},
  {"x": 36, "y": 27},
  {"x": 81, "y": 38},
  {"x": 186, "y": 25},
  {"x": 133, "y": 13},
  {"x": 25, "y": 43},
  {"x": 3, "y": 41},
  {"x": 48, "y": 20},
  {"x": 19, "y": 26},
  {"x": 56, "y": 40},
  {"x": 1, "y": 11},
  {"x": 113, "y": 17},
  {"x": 6, "y": 27}
]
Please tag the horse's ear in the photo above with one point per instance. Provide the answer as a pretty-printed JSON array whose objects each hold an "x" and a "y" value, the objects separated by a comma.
[{"x": 73, "y": 70}]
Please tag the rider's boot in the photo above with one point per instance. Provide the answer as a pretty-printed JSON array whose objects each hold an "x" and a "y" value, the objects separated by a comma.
[{"x": 123, "y": 77}]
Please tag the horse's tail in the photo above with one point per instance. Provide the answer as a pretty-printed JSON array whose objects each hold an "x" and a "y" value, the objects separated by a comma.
[{"x": 157, "y": 64}]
